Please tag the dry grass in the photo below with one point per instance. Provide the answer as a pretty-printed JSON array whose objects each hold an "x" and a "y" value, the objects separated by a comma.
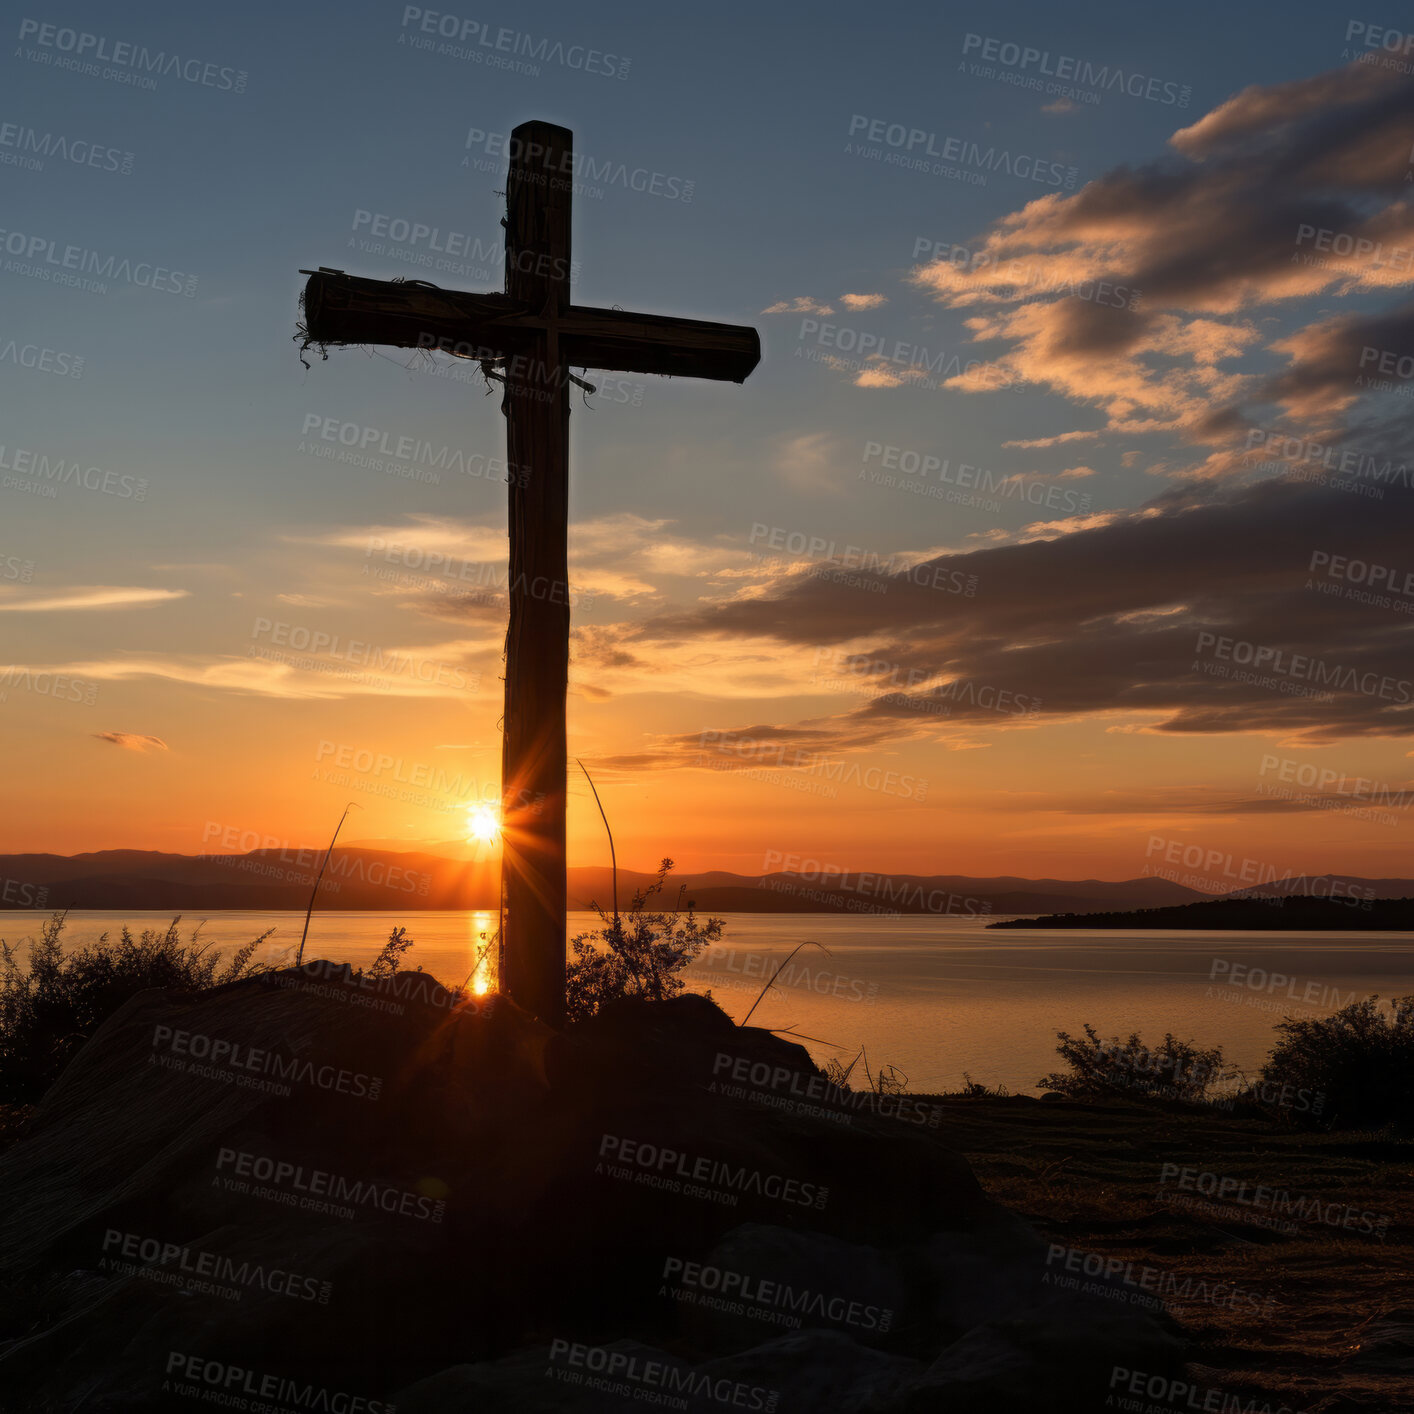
[{"x": 1088, "y": 1176}]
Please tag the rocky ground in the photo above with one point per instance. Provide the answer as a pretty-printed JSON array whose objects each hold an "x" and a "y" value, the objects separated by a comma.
[{"x": 299, "y": 1193}]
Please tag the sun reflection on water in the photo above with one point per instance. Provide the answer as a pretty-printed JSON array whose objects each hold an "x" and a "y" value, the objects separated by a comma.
[{"x": 481, "y": 952}]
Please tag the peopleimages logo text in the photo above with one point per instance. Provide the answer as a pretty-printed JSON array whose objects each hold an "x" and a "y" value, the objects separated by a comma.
[
  {"x": 241, "y": 1058},
  {"x": 1298, "y": 665},
  {"x": 47, "y": 258},
  {"x": 27, "y": 147},
  {"x": 97, "y": 48},
  {"x": 503, "y": 40},
  {"x": 235, "y": 1387},
  {"x": 1080, "y": 71},
  {"x": 579, "y": 166},
  {"x": 319, "y": 1184},
  {"x": 917, "y": 143}
]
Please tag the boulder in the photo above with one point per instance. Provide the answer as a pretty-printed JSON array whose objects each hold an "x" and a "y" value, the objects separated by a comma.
[
  {"x": 311, "y": 1185},
  {"x": 761, "y": 1281},
  {"x": 809, "y": 1370}
]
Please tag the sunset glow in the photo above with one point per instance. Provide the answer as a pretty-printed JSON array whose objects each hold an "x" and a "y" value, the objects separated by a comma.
[{"x": 626, "y": 631}]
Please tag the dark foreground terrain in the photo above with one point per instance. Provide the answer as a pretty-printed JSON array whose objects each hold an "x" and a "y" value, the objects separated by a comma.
[
  {"x": 304, "y": 1192},
  {"x": 1290, "y": 1276},
  {"x": 300, "y": 1192}
]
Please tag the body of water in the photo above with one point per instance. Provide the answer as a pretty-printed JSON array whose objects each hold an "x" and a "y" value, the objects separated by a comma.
[{"x": 933, "y": 996}]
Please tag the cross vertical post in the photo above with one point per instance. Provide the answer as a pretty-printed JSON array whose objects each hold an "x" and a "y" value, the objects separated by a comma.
[{"x": 533, "y": 752}]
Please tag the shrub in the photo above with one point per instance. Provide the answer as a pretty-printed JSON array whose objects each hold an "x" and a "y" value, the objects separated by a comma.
[
  {"x": 1174, "y": 1070},
  {"x": 51, "y": 1003},
  {"x": 636, "y": 953},
  {"x": 1360, "y": 1058},
  {"x": 390, "y": 959}
]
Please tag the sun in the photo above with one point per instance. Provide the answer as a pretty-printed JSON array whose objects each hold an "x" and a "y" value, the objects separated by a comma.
[{"x": 482, "y": 824}]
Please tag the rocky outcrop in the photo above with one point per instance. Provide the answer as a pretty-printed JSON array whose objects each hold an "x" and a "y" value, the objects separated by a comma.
[{"x": 304, "y": 1192}]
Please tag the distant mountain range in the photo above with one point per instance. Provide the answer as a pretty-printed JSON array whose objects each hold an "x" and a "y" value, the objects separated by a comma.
[
  {"x": 866, "y": 893},
  {"x": 369, "y": 878},
  {"x": 377, "y": 878}
]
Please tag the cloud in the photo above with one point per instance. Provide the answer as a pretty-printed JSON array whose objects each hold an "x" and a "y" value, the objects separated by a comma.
[
  {"x": 804, "y": 746},
  {"x": 621, "y": 659},
  {"x": 453, "y": 569},
  {"x": 1107, "y": 619},
  {"x": 1139, "y": 294},
  {"x": 409, "y": 544},
  {"x": 1060, "y": 439},
  {"x": 880, "y": 373},
  {"x": 802, "y": 304},
  {"x": 809, "y": 463},
  {"x": 132, "y": 741},
  {"x": 1350, "y": 124},
  {"x": 877, "y": 378},
  {"x": 305, "y": 601},
  {"x": 806, "y": 304},
  {"x": 1333, "y": 362},
  {"x": 97, "y": 597},
  {"x": 353, "y": 669}
]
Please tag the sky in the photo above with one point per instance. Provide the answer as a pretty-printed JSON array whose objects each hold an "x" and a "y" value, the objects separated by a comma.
[{"x": 1063, "y": 529}]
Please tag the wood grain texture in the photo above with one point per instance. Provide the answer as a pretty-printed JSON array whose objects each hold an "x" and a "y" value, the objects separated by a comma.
[
  {"x": 348, "y": 309},
  {"x": 533, "y": 755}
]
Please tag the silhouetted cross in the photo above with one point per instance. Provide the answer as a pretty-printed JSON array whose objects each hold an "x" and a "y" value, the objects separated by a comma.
[{"x": 531, "y": 336}]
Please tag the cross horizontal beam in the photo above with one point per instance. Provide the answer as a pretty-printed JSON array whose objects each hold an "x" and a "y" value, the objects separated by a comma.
[{"x": 349, "y": 309}]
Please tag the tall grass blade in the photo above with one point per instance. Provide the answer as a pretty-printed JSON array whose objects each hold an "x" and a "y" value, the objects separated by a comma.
[{"x": 352, "y": 805}]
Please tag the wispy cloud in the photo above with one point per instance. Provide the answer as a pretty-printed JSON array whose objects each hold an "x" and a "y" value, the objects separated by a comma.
[
  {"x": 808, "y": 304},
  {"x": 455, "y": 669},
  {"x": 811, "y": 463},
  {"x": 305, "y": 601},
  {"x": 132, "y": 741},
  {"x": 96, "y": 597},
  {"x": 455, "y": 569},
  {"x": 801, "y": 304}
]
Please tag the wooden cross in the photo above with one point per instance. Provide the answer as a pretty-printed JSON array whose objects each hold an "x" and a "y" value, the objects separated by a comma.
[{"x": 530, "y": 337}]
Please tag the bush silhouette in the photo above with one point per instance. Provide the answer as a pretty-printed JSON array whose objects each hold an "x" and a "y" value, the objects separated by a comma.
[
  {"x": 52, "y": 1005},
  {"x": 1173, "y": 1070},
  {"x": 637, "y": 953},
  {"x": 1360, "y": 1057}
]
